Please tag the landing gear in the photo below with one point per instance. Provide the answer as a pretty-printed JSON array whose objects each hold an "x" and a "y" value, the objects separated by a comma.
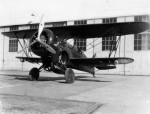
[
  {"x": 34, "y": 74},
  {"x": 94, "y": 75},
  {"x": 69, "y": 75}
]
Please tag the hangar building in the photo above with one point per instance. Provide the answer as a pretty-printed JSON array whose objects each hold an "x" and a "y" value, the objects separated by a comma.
[{"x": 136, "y": 46}]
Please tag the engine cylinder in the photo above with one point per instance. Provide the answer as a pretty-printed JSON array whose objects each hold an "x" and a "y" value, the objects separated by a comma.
[{"x": 47, "y": 37}]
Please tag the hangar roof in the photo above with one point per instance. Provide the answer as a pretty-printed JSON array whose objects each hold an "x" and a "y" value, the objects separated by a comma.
[{"x": 23, "y": 23}]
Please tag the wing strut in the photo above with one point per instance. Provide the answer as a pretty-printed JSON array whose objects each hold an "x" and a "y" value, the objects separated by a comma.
[
  {"x": 114, "y": 46},
  {"x": 21, "y": 44},
  {"x": 114, "y": 43},
  {"x": 25, "y": 51},
  {"x": 25, "y": 43},
  {"x": 117, "y": 44}
]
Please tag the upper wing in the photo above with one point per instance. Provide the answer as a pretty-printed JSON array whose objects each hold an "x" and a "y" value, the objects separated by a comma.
[
  {"x": 87, "y": 31},
  {"x": 20, "y": 33},
  {"x": 100, "y": 30},
  {"x": 101, "y": 62},
  {"x": 30, "y": 59}
]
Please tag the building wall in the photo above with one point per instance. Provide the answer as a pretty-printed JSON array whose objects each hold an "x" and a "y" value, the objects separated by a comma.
[
  {"x": 1, "y": 48},
  {"x": 140, "y": 66},
  {"x": 141, "y": 63}
]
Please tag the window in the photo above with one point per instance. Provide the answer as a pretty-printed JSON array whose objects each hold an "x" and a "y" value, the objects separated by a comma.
[
  {"x": 13, "y": 28},
  {"x": 13, "y": 45},
  {"x": 108, "y": 43},
  {"x": 141, "y": 42},
  {"x": 138, "y": 18},
  {"x": 34, "y": 26},
  {"x": 137, "y": 41},
  {"x": 58, "y": 24},
  {"x": 143, "y": 18},
  {"x": 81, "y": 22},
  {"x": 80, "y": 43},
  {"x": 109, "y": 20}
]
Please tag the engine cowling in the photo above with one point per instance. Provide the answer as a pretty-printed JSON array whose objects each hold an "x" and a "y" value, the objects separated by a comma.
[{"x": 47, "y": 37}]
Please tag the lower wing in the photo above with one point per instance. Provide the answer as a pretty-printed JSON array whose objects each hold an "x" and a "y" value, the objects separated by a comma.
[
  {"x": 30, "y": 59},
  {"x": 102, "y": 63}
]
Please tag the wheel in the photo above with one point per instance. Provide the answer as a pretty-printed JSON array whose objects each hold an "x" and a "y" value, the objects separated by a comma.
[
  {"x": 69, "y": 75},
  {"x": 34, "y": 74}
]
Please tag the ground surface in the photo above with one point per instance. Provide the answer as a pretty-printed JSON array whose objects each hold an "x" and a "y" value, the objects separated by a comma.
[{"x": 105, "y": 94}]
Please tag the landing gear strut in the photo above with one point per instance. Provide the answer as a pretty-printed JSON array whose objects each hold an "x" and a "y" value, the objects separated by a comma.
[
  {"x": 34, "y": 74},
  {"x": 69, "y": 75}
]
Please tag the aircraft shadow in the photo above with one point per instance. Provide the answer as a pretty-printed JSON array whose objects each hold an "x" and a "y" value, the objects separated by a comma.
[
  {"x": 42, "y": 78},
  {"x": 89, "y": 78},
  {"x": 14, "y": 75},
  {"x": 26, "y": 77}
]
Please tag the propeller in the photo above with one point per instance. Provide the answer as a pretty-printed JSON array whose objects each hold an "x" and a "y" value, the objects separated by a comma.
[{"x": 41, "y": 26}]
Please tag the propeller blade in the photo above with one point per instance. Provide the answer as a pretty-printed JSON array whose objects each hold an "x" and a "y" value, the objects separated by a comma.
[
  {"x": 27, "y": 46},
  {"x": 49, "y": 48},
  {"x": 41, "y": 26}
]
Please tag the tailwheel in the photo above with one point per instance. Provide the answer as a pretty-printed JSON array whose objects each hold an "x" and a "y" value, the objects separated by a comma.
[
  {"x": 69, "y": 75},
  {"x": 34, "y": 74}
]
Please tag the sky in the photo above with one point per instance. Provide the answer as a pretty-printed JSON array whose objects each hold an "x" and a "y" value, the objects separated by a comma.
[{"x": 20, "y": 11}]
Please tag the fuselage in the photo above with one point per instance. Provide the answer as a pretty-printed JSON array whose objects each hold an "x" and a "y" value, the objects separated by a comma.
[
  {"x": 64, "y": 52},
  {"x": 74, "y": 53}
]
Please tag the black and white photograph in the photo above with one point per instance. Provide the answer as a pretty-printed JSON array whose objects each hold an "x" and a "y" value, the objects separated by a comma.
[{"x": 74, "y": 57}]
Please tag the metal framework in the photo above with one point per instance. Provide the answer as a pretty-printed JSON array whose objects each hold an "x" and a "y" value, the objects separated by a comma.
[{"x": 27, "y": 52}]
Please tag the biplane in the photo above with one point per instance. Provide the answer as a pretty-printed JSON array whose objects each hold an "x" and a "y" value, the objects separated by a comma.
[{"x": 56, "y": 55}]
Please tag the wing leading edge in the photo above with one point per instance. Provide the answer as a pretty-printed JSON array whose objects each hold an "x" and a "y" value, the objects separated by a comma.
[
  {"x": 30, "y": 59},
  {"x": 20, "y": 33},
  {"x": 101, "y": 62},
  {"x": 87, "y": 31},
  {"x": 100, "y": 30}
]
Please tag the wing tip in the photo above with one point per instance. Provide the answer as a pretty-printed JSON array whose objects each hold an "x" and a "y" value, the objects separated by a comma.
[{"x": 125, "y": 60}]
